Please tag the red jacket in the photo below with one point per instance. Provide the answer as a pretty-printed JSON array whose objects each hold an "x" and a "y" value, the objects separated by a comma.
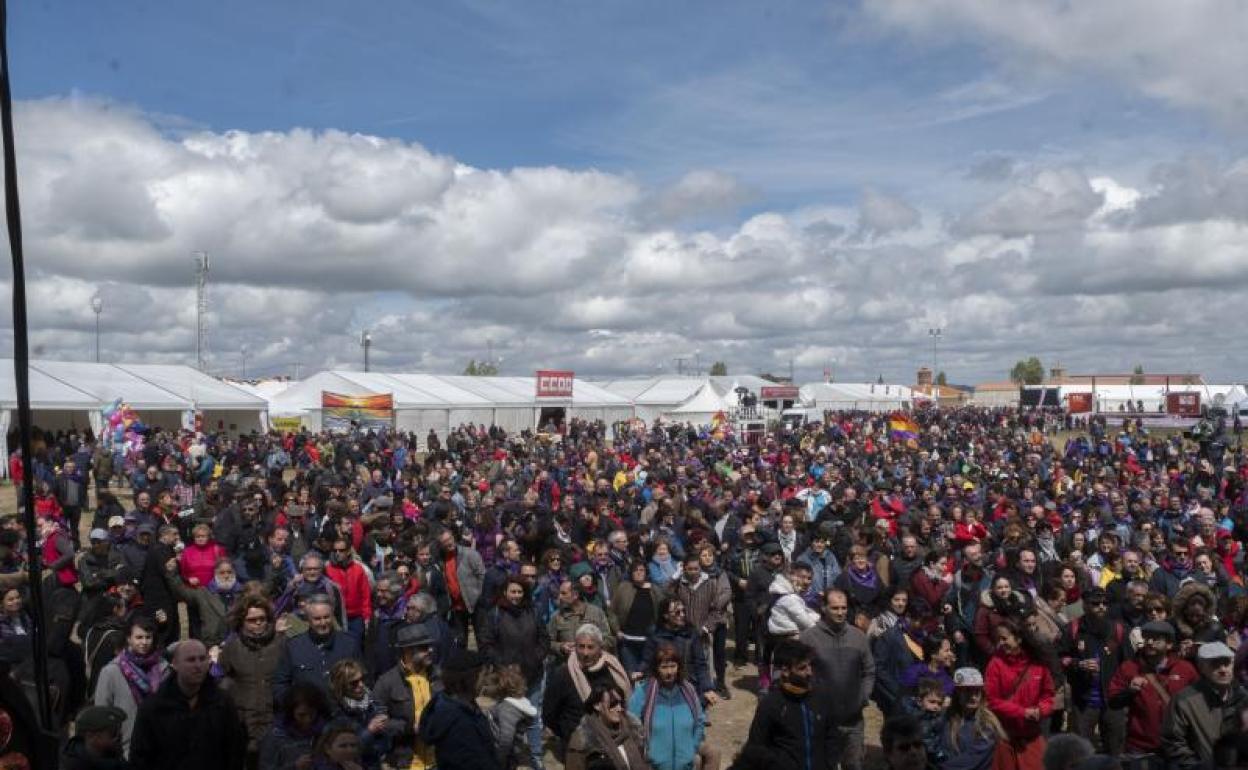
[
  {"x": 1146, "y": 708},
  {"x": 965, "y": 533},
  {"x": 1009, "y": 701},
  {"x": 357, "y": 596},
  {"x": 932, "y": 591}
]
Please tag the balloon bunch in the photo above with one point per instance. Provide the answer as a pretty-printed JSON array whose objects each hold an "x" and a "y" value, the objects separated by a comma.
[{"x": 121, "y": 425}]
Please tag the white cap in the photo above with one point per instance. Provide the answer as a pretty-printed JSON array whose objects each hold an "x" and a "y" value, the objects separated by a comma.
[
  {"x": 968, "y": 677},
  {"x": 1214, "y": 651}
]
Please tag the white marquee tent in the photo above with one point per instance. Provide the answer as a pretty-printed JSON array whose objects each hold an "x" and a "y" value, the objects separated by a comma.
[
  {"x": 865, "y": 396},
  {"x": 655, "y": 396},
  {"x": 701, "y": 407},
  {"x": 71, "y": 395},
  {"x": 424, "y": 402}
]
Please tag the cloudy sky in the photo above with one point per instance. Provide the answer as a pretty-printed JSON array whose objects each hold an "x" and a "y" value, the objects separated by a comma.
[{"x": 610, "y": 186}]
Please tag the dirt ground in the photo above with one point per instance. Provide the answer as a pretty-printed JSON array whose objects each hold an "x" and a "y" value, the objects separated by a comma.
[{"x": 729, "y": 721}]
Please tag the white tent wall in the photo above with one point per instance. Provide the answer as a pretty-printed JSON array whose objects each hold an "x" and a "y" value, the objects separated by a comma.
[
  {"x": 233, "y": 421},
  {"x": 471, "y": 416},
  {"x": 514, "y": 419},
  {"x": 648, "y": 413},
  {"x": 421, "y": 421}
]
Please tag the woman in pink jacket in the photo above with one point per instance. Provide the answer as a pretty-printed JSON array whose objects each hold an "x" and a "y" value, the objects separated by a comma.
[{"x": 197, "y": 564}]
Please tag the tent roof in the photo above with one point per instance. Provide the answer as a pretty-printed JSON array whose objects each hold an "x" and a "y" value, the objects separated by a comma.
[
  {"x": 306, "y": 394},
  {"x": 705, "y": 401},
  {"x": 855, "y": 391},
  {"x": 657, "y": 391},
  {"x": 46, "y": 392},
  {"x": 434, "y": 391},
  {"x": 205, "y": 391},
  {"x": 108, "y": 382}
]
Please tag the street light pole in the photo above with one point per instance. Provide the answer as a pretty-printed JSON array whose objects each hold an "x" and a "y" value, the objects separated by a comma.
[
  {"x": 935, "y": 334},
  {"x": 97, "y": 307},
  {"x": 366, "y": 340},
  {"x": 243, "y": 349}
]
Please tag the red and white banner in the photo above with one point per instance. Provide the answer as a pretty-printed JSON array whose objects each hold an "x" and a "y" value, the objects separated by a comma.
[
  {"x": 1183, "y": 404},
  {"x": 779, "y": 392},
  {"x": 554, "y": 383}
]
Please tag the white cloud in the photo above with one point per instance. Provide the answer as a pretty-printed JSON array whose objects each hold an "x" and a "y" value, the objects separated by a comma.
[
  {"x": 1189, "y": 54},
  {"x": 880, "y": 214},
  {"x": 318, "y": 235}
]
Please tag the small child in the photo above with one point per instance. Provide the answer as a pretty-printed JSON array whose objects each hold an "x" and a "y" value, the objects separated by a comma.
[
  {"x": 932, "y": 702},
  {"x": 511, "y": 717}
]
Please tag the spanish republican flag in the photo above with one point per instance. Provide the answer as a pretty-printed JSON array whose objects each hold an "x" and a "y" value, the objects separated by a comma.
[{"x": 902, "y": 428}]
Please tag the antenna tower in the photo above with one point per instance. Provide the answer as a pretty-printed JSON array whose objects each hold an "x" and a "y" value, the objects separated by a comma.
[{"x": 201, "y": 309}]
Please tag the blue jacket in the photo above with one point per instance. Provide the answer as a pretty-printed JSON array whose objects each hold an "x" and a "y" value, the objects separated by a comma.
[
  {"x": 675, "y": 731},
  {"x": 303, "y": 660}
]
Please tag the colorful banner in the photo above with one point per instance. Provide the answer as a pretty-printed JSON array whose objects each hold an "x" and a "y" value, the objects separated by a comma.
[
  {"x": 902, "y": 428},
  {"x": 554, "y": 383},
  {"x": 345, "y": 413},
  {"x": 286, "y": 424}
]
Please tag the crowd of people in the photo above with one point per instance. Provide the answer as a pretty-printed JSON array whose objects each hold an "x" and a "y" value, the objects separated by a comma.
[{"x": 480, "y": 600}]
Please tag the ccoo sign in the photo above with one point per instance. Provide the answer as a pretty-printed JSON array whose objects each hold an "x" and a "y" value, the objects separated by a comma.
[{"x": 554, "y": 384}]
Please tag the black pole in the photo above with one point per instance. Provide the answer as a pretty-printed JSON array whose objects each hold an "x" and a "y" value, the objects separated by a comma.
[{"x": 21, "y": 376}]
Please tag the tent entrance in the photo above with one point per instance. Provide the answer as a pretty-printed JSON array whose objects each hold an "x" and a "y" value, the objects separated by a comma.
[{"x": 552, "y": 417}]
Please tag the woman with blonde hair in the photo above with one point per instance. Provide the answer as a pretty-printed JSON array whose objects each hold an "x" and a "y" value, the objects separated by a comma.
[
  {"x": 354, "y": 703},
  {"x": 972, "y": 731}
]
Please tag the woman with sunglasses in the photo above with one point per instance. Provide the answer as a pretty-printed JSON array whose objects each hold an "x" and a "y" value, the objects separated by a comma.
[
  {"x": 354, "y": 703},
  {"x": 608, "y": 736}
]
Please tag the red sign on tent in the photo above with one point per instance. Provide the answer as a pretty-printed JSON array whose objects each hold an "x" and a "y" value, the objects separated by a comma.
[{"x": 554, "y": 383}]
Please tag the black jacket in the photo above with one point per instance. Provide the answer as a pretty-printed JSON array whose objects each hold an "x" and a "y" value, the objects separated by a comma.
[
  {"x": 781, "y": 724},
  {"x": 460, "y": 734},
  {"x": 169, "y": 733},
  {"x": 562, "y": 706},
  {"x": 394, "y": 695},
  {"x": 515, "y": 636}
]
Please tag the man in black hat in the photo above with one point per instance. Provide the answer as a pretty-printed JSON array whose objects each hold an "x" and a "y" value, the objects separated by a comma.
[
  {"x": 404, "y": 692},
  {"x": 1146, "y": 685},
  {"x": 96, "y": 744}
]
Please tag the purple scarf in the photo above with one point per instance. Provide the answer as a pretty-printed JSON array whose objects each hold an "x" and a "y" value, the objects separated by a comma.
[
  {"x": 866, "y": 579},
  {"x": 143, "y": 673},
  {"x": 652, "y": 693}
]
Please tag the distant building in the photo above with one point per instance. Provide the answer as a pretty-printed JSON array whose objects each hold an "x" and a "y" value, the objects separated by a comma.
[
  {"x": 945, "y": 395},
  {"x": 992, "y": 394}
]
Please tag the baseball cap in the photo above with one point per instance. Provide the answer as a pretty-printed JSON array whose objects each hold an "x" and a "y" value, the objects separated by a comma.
[
  {"x": 98, "y": 534},
  {"x": 968, "y": 677},
  {"x": 116, "y": 521},
  {"x": 95, "y": 718},
  {"x": 1214, "y": 651},
  {"x": 1158, "y": 628}
]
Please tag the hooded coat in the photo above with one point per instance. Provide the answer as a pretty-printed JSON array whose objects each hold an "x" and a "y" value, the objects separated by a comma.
[{"x": 1212, "y": 630}]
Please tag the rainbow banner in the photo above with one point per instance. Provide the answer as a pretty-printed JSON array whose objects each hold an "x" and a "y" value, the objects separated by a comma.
[
  {"x": 902, "y": 428},
  {"x": 346, "y": 413}
]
